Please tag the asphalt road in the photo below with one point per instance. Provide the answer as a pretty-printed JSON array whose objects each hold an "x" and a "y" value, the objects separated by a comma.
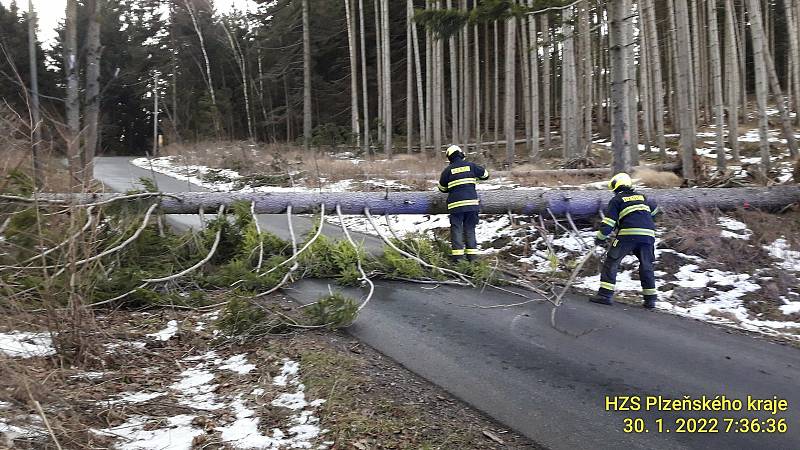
[{"x": 552, "y": 386}]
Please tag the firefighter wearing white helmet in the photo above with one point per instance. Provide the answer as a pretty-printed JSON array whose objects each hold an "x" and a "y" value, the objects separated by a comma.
[
  {"x": 631, "y": 214},
  {"x": 458, "y": 180}
]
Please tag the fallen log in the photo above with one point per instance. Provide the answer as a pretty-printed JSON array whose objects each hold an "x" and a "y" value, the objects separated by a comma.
[
  {"x": 587, "y": 171},
  {"x": 578, "y": 203}
]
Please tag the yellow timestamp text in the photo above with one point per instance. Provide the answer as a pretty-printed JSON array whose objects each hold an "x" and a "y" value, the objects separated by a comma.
[{"x": 771, "y": 425}]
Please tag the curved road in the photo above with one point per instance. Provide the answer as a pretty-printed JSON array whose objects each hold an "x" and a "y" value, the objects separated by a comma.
[{"x": 548, "y": 384}]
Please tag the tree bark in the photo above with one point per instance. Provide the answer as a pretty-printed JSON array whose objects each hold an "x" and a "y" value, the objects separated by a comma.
[
  {"x": 36, "y": 120},
  {"x": 387, "y": 80},
  {"x": 656, "y": 79},
  {"x": 409, "y": 79},
  {"x": 578, "y": 203},
  {"x": 716, "y": 73},
  {"x": 618, "y": 40},
  {"x": 732, "y": 78},
  {"x": 686, "y": 111},
  {"x": 546, "y": 79},
  {"x": 533, "y": 62},
  {"x": 526, "y": 83},
  {"x": 632, "y": 85},
  {"x": 587, "y": 103},
  {"x": 351, "y": 46},
  {"x": 794, "y": 49},
  {"x": 509, "y": 94},
  {"x": 759, "y": 63},
  {"x": 570, "y": 129},
  {"x": 306, "y": 79},
  {"x": 781, "y": 103},
  {"x": 364, "y": 81},
  {"x": 72, "y": 102}
]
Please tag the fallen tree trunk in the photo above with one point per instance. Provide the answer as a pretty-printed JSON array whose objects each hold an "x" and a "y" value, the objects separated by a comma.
[
  {"x": 588, "y": 171},
  {"x": 578, "y": 203}
]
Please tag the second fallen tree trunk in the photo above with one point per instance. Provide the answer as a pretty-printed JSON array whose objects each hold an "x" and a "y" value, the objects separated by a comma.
[{"x": 578, "y": 203}]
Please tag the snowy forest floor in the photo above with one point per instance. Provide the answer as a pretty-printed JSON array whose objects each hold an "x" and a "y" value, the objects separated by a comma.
[
  {"x": 166, "y": 379},
  {"x": 738, "y": 269}
]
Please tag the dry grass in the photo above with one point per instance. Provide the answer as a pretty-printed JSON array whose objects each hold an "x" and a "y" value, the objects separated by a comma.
[{"x": 655, "y": 179}]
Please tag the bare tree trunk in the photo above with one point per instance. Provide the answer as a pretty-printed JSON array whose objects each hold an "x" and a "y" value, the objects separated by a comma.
[
  {"x": 209, "y": 80},
  {"x": 570, "y": 129},
  {"x": 36, "y": 120},
  {"x": 696, "y": 73},
  {"x": 716, "y": 72},
  {"x": 645, "y": 87},
  {"x": 173, "y": 56},
  {"x": 526, "y": 83},
  {"x": 674, "y": 74},
  {"x": 496, "y": 85},
  {"x": 790, "y": 6},
  {"x": 759, "y": 62},
  {"x": 732, "y": 78},
  {"x": 546, "y": 43},
  {"x": 387, "y": 80},
  {"x": 409, "y": 81},
  {"x": 741, "y": 38},
  {"x": 587, "y": 69},
  {"x": 452, "y": 48},
  {"x": 477, "y": 82},
  {"x": 423, "y": 136},
  {"x": 72, "y": 102},
  {"x": 306, "y": 79},
  {"x": 618, "y": 40},
  {"x": 364, "y": 80},
  {"x": 379, "y": 128},
  {"x": 436, "y": 98},
  {"x": 155, "y": 114},
  {"x": 509, "y": 93},
  {"x": 533, "y": 61},
  {"x": 686, "y": 113},
  {"x": 466, "y": 82},
  {"x": 657, "y": 81},
  {"x": 633, "y": 86},
  {"x": 351, "y": 46},
  {"x": 781, "y": 103}
]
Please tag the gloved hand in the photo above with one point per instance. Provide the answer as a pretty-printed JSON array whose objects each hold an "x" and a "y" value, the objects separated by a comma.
[{"x": 599, "y": 242}]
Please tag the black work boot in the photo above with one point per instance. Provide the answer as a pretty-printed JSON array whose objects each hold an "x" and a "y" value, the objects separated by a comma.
[
  {"x": 649, "y": 303},
  {"x": 601, "y": 300}
]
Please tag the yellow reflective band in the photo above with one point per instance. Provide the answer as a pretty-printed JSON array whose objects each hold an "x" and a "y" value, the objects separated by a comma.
[
  {"x": 458, "y": 170},
  {"x": 604, "y": 285},
  {"x": 473, "y": 251},
  {"x": 610, "y": 222},
  {"x": 601, "y": 236},
  {"x": 453, "y": 205},
  {"x": 441, "y": 188},
  {"x": 455, "y": 183},
  {"x": 485, "y": 175},
  {"x": 457, "y": 252},
  {"x": 650, "y": 291},
  {"x": 633, "y": 208},
  {"x": 633, "y": 198},
  {"x": 637, "y": 232},
  {"x": 655, "y": 211}
]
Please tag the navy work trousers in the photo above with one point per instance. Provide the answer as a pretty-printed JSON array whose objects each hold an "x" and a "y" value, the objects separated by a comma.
[
  {"x": 644, "y": 252},
  {"x": 462, "y": 234}
]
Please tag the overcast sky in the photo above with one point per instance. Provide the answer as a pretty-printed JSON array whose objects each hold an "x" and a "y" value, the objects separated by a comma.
[{"x": 51, "y": 12}]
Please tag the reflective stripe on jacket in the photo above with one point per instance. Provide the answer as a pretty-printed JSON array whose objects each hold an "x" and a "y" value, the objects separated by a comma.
[
  {"x": 632, "y": 214},
  {"x": 458, "y": 180}
]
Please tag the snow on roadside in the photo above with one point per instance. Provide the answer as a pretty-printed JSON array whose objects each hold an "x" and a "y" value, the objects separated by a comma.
[
  {"x": 205, "y": 385},
  {"x": 21, "y": 344},
  {"x": 732, "y": 228}
]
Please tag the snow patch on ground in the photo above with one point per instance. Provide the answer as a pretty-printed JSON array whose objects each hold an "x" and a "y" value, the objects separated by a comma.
[
  {"x": 781, "y": 250},
  {"x": 238, "y": 364},
  {"x": 21, "y": 344},
  {"x": 732, "y": 228},
  {"x": 178, "y": 434},
  {"x": 167, "y": 333}
]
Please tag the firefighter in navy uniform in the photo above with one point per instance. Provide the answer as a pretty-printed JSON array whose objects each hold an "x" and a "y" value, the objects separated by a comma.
[
  {"x": 631, "y": 213},
  {"x": 458, "y": 180}
]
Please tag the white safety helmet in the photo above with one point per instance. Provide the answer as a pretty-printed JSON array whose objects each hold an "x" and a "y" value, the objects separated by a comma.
[
  {"x": 619, "y": 180},
  {"x": 452, "y": 151}
]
